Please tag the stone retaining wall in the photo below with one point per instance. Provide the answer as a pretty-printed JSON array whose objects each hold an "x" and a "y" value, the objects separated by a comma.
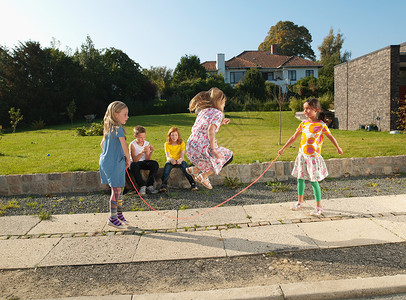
[{"x": 31, "y": 184}]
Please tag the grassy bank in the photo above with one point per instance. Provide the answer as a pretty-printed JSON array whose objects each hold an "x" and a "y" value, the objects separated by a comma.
[{"x": 252, "y": 136}]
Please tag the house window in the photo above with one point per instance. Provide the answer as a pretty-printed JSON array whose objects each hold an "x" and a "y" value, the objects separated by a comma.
[
  {"x": 235, "y": 77},
  {"x": 309, "y": 73},
  {"x": 292, "y": 75},
  {"x": 270, "y": 76}
]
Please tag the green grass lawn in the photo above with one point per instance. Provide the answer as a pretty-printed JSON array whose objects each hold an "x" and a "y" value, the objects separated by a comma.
[{"x": 252, "y": 136}]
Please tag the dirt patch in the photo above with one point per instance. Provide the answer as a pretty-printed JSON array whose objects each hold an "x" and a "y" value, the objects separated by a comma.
[{"x": 204, "y": 274}]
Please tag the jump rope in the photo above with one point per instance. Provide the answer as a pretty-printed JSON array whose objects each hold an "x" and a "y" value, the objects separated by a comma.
[{"x": 209, "y": 209}]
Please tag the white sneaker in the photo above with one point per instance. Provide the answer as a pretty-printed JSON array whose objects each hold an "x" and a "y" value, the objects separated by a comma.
[
  {"x": 152, "y": 190},
  {"x": 318, "y": 211},
  {"x": 143, "y": 190}
]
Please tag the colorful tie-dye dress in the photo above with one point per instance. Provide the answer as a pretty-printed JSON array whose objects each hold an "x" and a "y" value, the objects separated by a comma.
[
  {"x": 309, "y": 163},
  {"x": 198, "y": 145}
]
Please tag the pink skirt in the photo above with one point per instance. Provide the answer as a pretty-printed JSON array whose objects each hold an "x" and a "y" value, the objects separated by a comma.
[{"x": 310, "y": 168}]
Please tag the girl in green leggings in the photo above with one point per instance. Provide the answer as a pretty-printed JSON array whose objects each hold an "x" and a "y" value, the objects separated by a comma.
[{"x": 309, "y": 164}]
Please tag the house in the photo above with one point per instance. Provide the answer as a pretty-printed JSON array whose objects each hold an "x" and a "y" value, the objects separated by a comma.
[
  {"x": 367, "y": 89},
  {"x": 279, "y": 69}
]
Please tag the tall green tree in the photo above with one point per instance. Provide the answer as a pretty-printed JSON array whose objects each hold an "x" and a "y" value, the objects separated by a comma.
[
  {"x": 290, "y": 40},
  {"x": 189, "y": 68},
  {"x": 331, "y": 55}
]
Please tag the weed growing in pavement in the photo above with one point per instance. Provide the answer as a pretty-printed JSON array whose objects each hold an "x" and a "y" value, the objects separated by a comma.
[
  {"x": 183, "y": 207},
  {"x": 232, "y": 183},
  {"x": 249, "y": 217},
  {"x": 44, "y": 215},
  {"x": 371, "y": 184}
]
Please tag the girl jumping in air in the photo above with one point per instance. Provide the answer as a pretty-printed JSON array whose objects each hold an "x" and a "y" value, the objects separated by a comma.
[
  {"x": 114, "y": 159},
  {"x": 201, "y": 148},
  {"x": 309, "y": 164}
]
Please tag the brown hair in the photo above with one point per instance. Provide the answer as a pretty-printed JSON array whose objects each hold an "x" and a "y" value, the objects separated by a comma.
[
  {"x": 168, "y": 136},
  {"x": 212, "y": 98},
  {"x": 139, "y": 129},
  {"x": 315, "y": 104}
]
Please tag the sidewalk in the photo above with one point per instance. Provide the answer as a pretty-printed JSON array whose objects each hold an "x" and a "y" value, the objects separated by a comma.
[{"x": 27, "y": 242}]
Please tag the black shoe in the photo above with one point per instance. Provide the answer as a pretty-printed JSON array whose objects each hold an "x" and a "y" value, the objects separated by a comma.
[
  {"x": 163, "y": 188},
  {"x": 194, "y": 188}
]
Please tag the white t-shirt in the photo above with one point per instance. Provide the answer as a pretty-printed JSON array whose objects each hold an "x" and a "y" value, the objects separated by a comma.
[{"x": 138, "y": 149}]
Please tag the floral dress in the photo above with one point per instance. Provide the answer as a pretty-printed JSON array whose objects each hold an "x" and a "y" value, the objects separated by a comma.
[
  {"x": 198, "y": 145},
  {"x": 309, "y": 163}
]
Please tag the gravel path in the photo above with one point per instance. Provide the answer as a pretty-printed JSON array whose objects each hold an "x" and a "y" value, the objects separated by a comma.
[{"x": 259, "y": 193}]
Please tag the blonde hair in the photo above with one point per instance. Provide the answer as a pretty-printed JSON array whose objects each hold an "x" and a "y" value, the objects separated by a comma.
[
  {"x": 212, "y": 98},
  {"x": 110, "y": 121},
  {"x": 168, "y": 136},
  {"x": 139, "y": 129}
]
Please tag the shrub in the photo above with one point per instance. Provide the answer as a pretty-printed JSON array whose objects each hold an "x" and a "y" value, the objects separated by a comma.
[
  {"x": 295, "y": 104},
  {"x": 37, "y": 125},
  {"x": 93, "y": 130},
  {"x": 327, "y": 101}
]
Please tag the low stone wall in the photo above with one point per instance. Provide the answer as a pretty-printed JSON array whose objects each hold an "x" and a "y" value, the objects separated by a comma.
[{"x": 34, "y": 184}]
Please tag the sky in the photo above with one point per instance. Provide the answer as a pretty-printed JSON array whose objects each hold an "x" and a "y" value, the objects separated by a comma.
[{"x": 159, "y": 32}]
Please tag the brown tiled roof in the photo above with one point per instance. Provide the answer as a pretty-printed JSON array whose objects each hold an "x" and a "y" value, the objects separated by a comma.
[
  {"x": 263, "y": 59},
  {"x": 209, "y": 65}
]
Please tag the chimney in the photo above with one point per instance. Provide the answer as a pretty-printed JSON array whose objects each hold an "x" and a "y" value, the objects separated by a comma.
[
  {"x": 221, "y": 64},
  {"x": 273, "y": 49}
]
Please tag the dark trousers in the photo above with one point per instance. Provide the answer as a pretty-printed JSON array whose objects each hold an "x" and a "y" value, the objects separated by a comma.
[
  {"x": 168, "y": 168},
  {"x": 150, "y": 165}
]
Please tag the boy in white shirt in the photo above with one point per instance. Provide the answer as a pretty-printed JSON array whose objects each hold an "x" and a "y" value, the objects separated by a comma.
[{"x": 140, "y": 154}]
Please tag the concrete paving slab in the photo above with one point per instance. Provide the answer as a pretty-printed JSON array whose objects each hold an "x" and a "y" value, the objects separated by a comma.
[
  {"x": 17, "y": 225},
  {"x": 110, "y": 297},
  {"x": 255, "y": 240},
  {"x": 92, "y": 250},
  {"x": 272, "y": 292},
  {"x": 217, "y": 216},
  {"x": 180, "y": 245},
  {"x": 276, "y": 211},
  {"x": 345, "y": 233},
  {"x": 345, "y": 288},
  {"x": 394, "y": 203},
  {"x": 395, "y": 224},
  {"x": 363, "y": 205},
  {"x": 15, "y": 254},
  {"x": 71, "y": 224},
  {"x": 150, "y": 219}
]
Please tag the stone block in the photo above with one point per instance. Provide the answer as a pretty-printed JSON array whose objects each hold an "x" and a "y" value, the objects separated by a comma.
[
  {"x": 347, "y": 166},
  {"x": 279, "y": 168},
  {"x": 40, "y": 177},
  {"x": 27, "y": 178},
  {"x": 256, "y": 170},
  {"x": 54, "y": 186},
  {"x": 15, "y": 189},
  {"x": 92, "y": 180},
  {"x": 38, "y": 188},
  {"x": 14, "y": 179},
  {"x": 67, "y": 180},
  {"x": 233, "y": 171},
  {"x": 334, "y": 167},
  {"x": 54, "y": 176}
]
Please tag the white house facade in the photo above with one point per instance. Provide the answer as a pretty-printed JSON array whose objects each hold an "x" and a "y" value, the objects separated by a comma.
[{"x": 278, "y": 69}]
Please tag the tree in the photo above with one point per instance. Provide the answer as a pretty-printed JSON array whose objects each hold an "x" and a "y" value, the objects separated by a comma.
[
  {"x": 253, "y": 84},
  {"x": 330, "y": 56},
  {"x": 161, "y": 76},
  {"x": 15, "y": 117},
  {"x": 188, "y": 68},
  {"x": 291, "y": 40}
]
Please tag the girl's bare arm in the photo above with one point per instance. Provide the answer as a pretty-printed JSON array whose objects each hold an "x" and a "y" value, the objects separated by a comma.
[
  {"x": 126, "y": 153},
  {"x": 212, "y": 140}
]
